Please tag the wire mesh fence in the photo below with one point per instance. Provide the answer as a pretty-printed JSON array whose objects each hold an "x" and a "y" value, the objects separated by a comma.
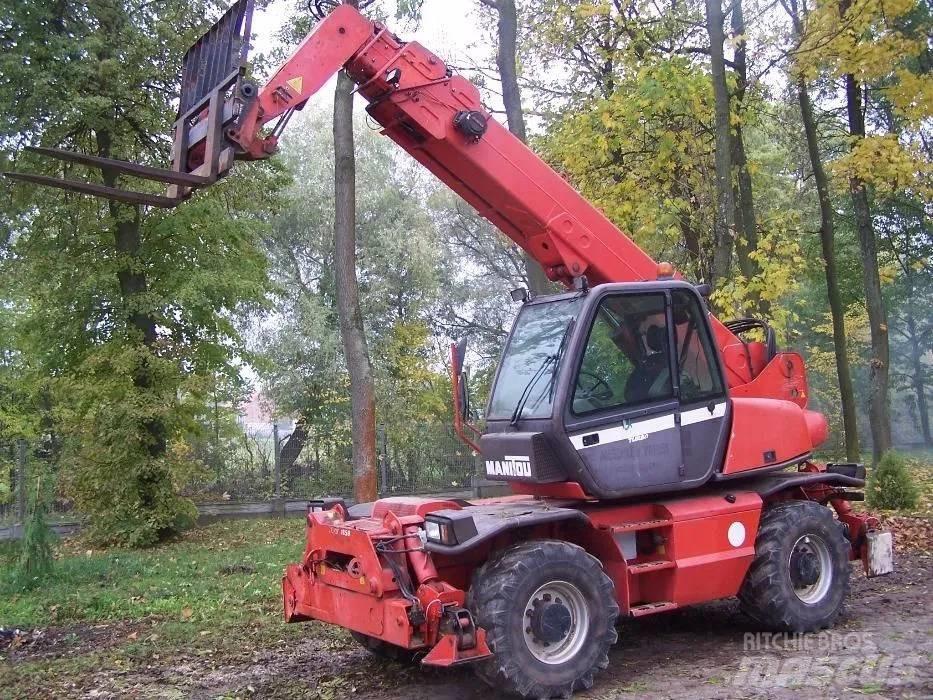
[
  {"x": 269, "y": 465},
  {"x": 425, "y": 459},
  {"x": 21, "y": 466}
]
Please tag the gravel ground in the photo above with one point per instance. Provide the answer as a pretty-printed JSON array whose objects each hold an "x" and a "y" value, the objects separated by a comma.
[{"x": 882, "y": 647}]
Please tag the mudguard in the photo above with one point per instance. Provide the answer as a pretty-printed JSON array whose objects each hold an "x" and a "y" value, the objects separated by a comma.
[{"x": 494, "y": 519}]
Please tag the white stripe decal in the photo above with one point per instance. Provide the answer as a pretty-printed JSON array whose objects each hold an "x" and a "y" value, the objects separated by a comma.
[
  {"x": 640, "y": 430},
  {"x": 616, "y": 433},
  {"x": 698, "y": 415}
]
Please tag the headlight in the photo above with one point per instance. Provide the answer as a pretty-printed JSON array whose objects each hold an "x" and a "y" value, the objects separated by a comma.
[
  {"x": 433, "y": 530},
  {"x": 455, "y": 528}
]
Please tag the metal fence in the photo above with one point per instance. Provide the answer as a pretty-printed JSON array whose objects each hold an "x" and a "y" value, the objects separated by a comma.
[
  {"x": 425, "y": 459},
  {"x": 259, "y": 468},
  {"x": 21, "y": 465}
]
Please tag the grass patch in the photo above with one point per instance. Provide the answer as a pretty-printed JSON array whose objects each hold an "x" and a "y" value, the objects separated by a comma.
[{"x": 223, "y": 573}]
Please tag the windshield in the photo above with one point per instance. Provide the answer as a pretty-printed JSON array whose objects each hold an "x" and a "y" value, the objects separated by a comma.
[{"x": 537, "y": 336}]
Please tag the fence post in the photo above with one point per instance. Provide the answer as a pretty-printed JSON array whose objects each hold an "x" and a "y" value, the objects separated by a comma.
[
  {"x": 21, "y": 480},
  {"x": 383, "y": 461},
  {"x": 278, "y": 503}
]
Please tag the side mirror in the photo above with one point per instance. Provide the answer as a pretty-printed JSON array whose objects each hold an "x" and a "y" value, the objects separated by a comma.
[
  {"x": 462, "y": 399},
  {"x": 461, "y": 395},
  {"x": 464, "y": 386}
]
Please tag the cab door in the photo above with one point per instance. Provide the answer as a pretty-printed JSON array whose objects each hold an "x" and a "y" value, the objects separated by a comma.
[
  {"x": 623, "y": 415},
  {"x": 704, "y": 406}
]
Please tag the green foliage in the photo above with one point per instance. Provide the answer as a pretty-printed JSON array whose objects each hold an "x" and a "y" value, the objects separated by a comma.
[
  {"x": 118, "y": 319},
  {"x": 35, "y": 558},
  {"x": 890, "y": 486},
  {"x": 643, "y": 155},
  {"x": 119, "y": 475},
  {"x": 220, "y": 574},
  {"x": 397, "y": 260},
  {"x": 885, "y": 46}
]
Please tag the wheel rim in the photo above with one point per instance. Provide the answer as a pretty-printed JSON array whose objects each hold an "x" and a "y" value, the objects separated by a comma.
[
  {"x": 810, "y": 564},
  {"x": 555, "y": 622}
]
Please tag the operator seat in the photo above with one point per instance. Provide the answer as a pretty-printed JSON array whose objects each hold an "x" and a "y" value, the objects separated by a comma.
[{"x": 652, "y": 376}]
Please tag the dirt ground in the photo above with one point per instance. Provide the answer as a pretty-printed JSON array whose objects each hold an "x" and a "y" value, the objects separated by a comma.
[{"x": 882, "y": 647}]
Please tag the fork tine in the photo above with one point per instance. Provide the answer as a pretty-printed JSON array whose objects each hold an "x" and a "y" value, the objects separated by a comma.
[
  {"x": 97, "y": 190},
  {"x": 171, "y": 177}
]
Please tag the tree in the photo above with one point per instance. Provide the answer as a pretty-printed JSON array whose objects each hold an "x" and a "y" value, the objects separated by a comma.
[
  {"x": 507, "y": 62},
  {"x": 398, "y": 258},
  {"x": 746, "y": 224},
  {"x": 828, "y": 245},
  {"x": 644, "y": 156},
  {"x": 126, "y": 313},
  {"x": 878, "y": 401},
  {"x": 904, "y": 231},
  {"x": 874, "y": 49},
  {"x": 362, "y": 389},
  {"x": 723, "y": 236}
]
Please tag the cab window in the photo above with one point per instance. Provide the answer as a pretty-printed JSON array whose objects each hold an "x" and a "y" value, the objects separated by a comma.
[
  {"x": 626, "y": 360},
  {"x": 699, "y": 376}
]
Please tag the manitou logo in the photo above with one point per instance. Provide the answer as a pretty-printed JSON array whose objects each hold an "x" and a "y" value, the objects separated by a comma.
[{"x": 509, "y": 466}]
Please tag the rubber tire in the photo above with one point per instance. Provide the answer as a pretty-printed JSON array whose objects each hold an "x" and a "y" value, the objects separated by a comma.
[
  {"x": 497, "y": 597},
  {"x": 767, "y": 594},
  {"x": 384, "y": 650}
]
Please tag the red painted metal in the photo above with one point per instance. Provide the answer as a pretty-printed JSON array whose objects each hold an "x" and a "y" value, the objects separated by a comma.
[
  {"x": 689, "y": 549},
  {"x": 445, "y": 653},
  {"x": 766, "y": 432},
  {"x": 501, "y": 177}
]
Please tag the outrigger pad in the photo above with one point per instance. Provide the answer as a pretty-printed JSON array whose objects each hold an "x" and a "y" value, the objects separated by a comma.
[{"x": 879, "y": 553}]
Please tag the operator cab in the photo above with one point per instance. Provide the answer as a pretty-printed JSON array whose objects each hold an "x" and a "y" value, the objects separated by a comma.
[{"x": 619, "y": 389}]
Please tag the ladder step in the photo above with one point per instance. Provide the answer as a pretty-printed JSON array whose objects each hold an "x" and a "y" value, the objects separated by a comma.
[
  {"x": 648, "y": 566},
  {"x": 651, "y": 608},
  {"x": 641, "y": 525}
]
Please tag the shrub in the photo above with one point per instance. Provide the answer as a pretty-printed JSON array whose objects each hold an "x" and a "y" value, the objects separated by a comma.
[
  {"x": 890, "y": 486},
  {"x": 123, "y": 412},
  {"x": 35, "y": 559}
]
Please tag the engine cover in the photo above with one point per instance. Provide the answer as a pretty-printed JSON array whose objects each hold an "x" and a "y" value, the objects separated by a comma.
[{"x": 525, "y": 456}]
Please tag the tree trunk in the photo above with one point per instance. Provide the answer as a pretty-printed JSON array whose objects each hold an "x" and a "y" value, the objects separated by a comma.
[
  {"x": 507, "y": 62},
  {"x": 362, "y": 391},
  {"x": 916, "y": 361},
  {"x": 127, "y": 222},
  {"x": 746, "y": 223},
  {"x": 878, "y": 408},
  {"x": 723, "y": 239},
  {"x": 827, "y": 240},
  {"x": 291, "y": 451}
]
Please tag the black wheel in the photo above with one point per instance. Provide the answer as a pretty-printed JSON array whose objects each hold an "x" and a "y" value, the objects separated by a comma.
[
  {"x": 799, "y": 578},
  {"x": 549, "y": 612},
  {"x": 383, "y": 649}
]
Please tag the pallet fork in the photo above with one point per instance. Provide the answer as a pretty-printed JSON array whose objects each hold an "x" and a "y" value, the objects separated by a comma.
[{"x": 214, "y": 93}]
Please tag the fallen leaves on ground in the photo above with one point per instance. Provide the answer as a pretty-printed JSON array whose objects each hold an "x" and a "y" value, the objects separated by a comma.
[{"x": 914, "y": 534}]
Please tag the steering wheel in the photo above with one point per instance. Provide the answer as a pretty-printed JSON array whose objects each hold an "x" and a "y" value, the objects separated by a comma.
[{"x": 593, "y": 387}]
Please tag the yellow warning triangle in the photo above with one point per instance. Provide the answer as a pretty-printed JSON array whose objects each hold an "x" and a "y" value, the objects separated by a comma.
[{"x": 295, "y": 84}]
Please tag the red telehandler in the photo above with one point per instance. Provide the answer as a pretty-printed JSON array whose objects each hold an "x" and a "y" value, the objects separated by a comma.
[{"x": 656, "y": 456}]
